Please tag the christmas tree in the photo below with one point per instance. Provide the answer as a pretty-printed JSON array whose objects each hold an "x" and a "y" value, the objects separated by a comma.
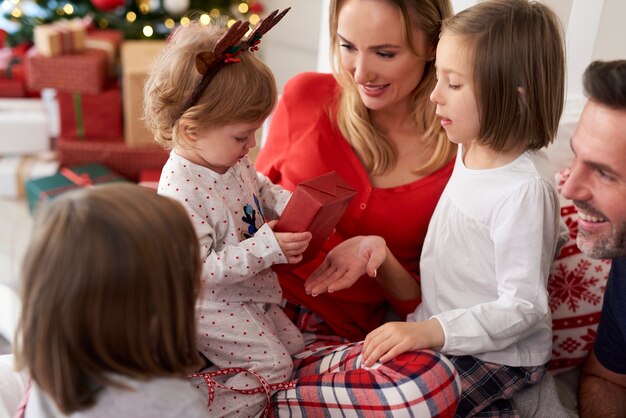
[{"x": 138, "y": 19}]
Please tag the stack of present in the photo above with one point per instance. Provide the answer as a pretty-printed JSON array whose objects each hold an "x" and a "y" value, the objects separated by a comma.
[
  {"x": 131, "y": 152},
  {"x": 84, "y": 70},
  {"x": 81, "y": 66}
]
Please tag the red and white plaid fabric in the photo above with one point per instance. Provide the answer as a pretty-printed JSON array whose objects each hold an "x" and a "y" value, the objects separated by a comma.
[{"x": 330, "y": 381}]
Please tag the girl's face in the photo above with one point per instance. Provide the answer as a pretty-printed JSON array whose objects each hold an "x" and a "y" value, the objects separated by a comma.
[
  {"x": 220, "y": 148},
  {"x": 454, "y": 93},
  {"x": 375, "y": 53}
]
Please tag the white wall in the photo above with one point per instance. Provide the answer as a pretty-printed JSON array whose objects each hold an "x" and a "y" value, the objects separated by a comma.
[{"x": 291, "y": 47}]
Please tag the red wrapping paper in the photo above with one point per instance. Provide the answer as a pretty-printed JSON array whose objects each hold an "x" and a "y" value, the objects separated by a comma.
[
  {"x": 127, "y": 161},
  {"x": 12, "y": 88},
  {"x": 83, "y": 73},
  {"x": 108, "y": 40},
  {"x": 150, "y": 179},
  {"x": 91, "y": 116},
  {"x": 316, "y": 206}
]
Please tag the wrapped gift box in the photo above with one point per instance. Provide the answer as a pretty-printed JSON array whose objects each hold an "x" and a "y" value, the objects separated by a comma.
[
  {"x": 12, "y": 77},
  {"x": 150, "y": 179},
  {"x": 61, "y": 37},
  {"x": 23, "y": 127},
  {"x": 12, "y": 88},
  {"x": 108, "y": 40},
  {"x": 86, "y": 72},
  {"x": 137, "y": 58},
  {"x": 91, "y": 116},
  {"x": 316, "y": 206},
  {"x": 125, "y": 160},
  {"x": 48, "y": 188},
  {"x": 15, "y": 171}
]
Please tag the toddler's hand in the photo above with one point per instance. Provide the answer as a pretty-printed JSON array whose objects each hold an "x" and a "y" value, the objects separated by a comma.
[
  {"x": 394, "y": 338},
  {"x": 293, "y": 244},
  {"x": 345, "y": 263}
]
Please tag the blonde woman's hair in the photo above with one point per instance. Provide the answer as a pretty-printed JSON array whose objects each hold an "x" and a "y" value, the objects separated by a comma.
[
  {"x": 110, "y": 280},
  {"x": 377, "y": 152},
  {"x": 519, "y": 70},
  {"x": 243, "y": 91}
]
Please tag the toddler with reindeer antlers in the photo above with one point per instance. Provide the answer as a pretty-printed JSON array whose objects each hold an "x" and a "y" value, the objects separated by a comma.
[{"x": 205, "y": 98}]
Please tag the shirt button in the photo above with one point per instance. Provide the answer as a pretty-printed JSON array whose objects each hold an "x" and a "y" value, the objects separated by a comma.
[
  {"x": 369, "y": 189},
  {"x": 362, "y": 206}
]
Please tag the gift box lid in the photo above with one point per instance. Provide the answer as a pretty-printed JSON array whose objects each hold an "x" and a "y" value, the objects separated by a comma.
[
  {"x": 68, "y": 178},
  {"x": 316, "y": 206}
]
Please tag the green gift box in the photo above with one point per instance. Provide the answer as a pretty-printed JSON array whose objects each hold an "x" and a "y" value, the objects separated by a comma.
[{"x": 44, "y": 189}]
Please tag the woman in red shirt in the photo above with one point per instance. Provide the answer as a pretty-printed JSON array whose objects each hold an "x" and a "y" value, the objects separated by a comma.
[{"x": 372, "y": 123}]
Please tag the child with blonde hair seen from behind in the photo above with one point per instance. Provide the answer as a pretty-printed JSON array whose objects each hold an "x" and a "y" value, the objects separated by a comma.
[
  {"x": 495, "y": 231},
  {"x": 205, "y": 97},
  {"x": 109, "y": 282}
]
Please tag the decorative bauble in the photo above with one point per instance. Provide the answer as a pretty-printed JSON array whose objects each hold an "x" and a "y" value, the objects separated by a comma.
[
  {"x": 107, "y": 5},
  {"x": 176, "y": 7},
  {"x": 256, "y": 7}
]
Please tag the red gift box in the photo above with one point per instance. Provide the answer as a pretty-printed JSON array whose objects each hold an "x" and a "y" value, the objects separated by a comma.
[
  {"x": 84, "y": 73},
  {"x": 12, "y": 88},
  {"x": 118, "y": 156},
  {"x": 150, "y": 179},
  {"x": 316, "y": 206},
  {"x": 91, "y": 116},
  {"x": 12, "y": 82},
  {"x": 108, "y": 40}
]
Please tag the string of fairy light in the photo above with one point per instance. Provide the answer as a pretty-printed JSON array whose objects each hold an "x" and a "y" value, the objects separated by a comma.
[{"x": 161, "y": 25}]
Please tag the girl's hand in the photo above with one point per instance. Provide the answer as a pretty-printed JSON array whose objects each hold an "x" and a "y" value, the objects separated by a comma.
[
  {"x": 293, "y": 244},
  {"x": 345, "y": 263},
  {"x": 394, "y": 338}
]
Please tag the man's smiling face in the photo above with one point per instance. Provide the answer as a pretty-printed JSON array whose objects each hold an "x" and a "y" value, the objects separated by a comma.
[{"x": 597, "y": 183}]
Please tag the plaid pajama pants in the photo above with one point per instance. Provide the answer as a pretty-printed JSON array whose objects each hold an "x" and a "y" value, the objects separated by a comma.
[
  {"x": 331, "y": 382},
  {"x": 488, "y": 387}
]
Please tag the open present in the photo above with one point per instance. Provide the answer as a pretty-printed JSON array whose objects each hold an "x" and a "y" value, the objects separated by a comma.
[{"x": 316, "y": 206}]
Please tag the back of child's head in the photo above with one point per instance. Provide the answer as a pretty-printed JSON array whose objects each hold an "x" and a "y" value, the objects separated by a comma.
[
  {"x": 110, "y": 279},
  {"x": 243, "y": 91},
  {"x": 519, "y": 70}
]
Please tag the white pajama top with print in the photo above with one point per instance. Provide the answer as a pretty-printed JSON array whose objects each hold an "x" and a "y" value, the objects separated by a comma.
[{"x": 239, "y": 321}]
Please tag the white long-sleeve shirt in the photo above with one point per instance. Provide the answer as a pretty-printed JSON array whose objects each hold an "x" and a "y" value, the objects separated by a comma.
[
  {"x": 486, "y": 260},
  {"x": 226, "y": 210}
]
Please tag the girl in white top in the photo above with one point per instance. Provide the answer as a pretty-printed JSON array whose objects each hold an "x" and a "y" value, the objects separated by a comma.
[
  {"x": 205, "y": 98},
  {"x": 495, "y": 231}
]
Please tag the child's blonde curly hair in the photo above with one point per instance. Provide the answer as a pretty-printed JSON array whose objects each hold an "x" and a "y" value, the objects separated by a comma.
[{"x": 243, "y": 91}]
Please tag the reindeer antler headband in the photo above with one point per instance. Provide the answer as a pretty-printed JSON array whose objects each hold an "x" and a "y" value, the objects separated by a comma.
[{"x": 231, "y": 44}]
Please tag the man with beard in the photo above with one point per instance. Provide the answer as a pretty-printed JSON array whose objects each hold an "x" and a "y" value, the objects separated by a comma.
[{"x": 597, "y": 186}]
